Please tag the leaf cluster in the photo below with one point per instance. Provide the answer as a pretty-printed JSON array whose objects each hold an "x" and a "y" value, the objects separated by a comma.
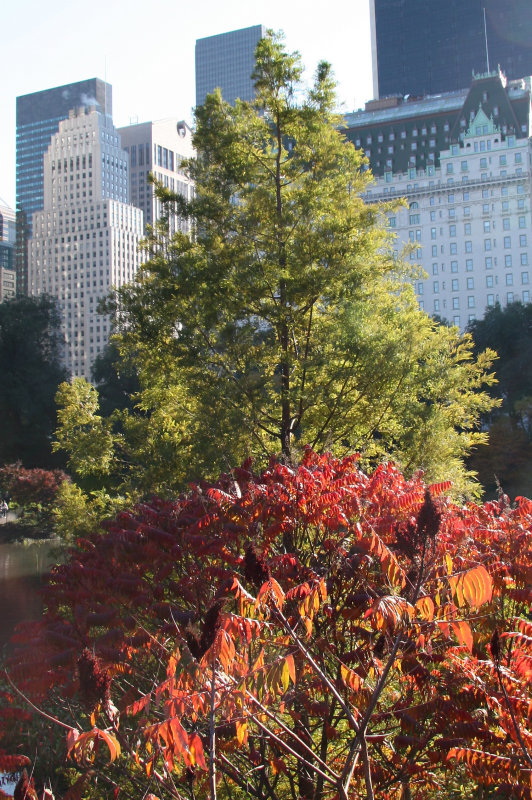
[{"x": 309, "y": 632}]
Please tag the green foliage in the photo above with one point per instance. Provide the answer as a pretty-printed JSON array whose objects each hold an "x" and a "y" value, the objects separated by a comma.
[
  {"x": 284, "y": 319},
  {"x": 508, "y": 459},
  {"x": 81, "y": 430},
  {"x": 76, "y": 513},
  {"x": 31, "y": 372}
]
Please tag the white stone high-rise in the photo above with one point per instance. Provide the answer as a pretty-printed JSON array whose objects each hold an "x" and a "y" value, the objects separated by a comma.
[
  {"x": 158, "y": 148},
  {"x": 85, "y": 240}
]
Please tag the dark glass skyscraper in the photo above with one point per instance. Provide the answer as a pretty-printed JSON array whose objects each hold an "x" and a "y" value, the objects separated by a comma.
[
  {"x": 227, "y": 61},
  {"x": 38, "y": 118},
  {"x": 432, "y": 46}
]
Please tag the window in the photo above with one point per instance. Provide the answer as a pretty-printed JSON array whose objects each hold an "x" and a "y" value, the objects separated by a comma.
[
  {"x": 486, "y": 226},
  {"x": 508, "y": 261},
  {"x": 505, "y": 205},
  {"x": 509, "y": 297},
  {"x": 452, "y": 213},
  {"x": 489, "y": 262},
  {"x": 470, "y": 283},
  {"x": 524, "y": 277},
  {"x": 415, "y": 219},
  {"x": 489, "y": 281},
  {"x": 436, "y": 305},
  {"x": 452, "y": 230},
  {"x": 507, "y": 242},
  {"x": 483, "y": 163},
  {"x": 518, "y": 158},
  {"x": 469, "y": 265},
  {"x": 506, "y": 224},
  {"x": 467, "y": 211},
  {"x": 435, "y": 287},
  {"x": 469, "y": 247},
  {"x": 471, "y": 301},
  {"x": 464, "y": 166},
  {"x": 526, "y": 297},
  {"x": 454, "y": 284},
  {"x": 419, "y": 288},
  {"x": 433, "y": 233},
  {"x": 432, "y": 216},
  {"x": 392, "y": 222},
  {"x": 450, "y": 198},
  {"x": 522, "y": 240},
  {"x": 522, "y": 222},
  {"x": 467, "y": 229},
  {"x": 524, "y": 259},
  {"x": 485, "y": 193},
  {"x": 453, "y": 248},
  {"x": 456, "y": 303},
  {"x": 434, "y": 269},
  {"x": 509, "y": 279},
  {"x": 434, "y": 250},
  {"x": 449, "y": 169},
  {"x": 491, "y": 300},
  {"x": 502, "y": 161},
  {"x": 487, "y": 244}
]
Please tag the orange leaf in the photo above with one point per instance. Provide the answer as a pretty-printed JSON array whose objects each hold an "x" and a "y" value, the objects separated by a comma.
[{"x": 463, "y": 634}]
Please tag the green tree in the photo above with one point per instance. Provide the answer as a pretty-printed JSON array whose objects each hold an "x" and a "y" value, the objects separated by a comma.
[
  {"x": 284, "y": 319},
  {"x": 30, "y": 343},
  {"x": 508, "y": 459}
]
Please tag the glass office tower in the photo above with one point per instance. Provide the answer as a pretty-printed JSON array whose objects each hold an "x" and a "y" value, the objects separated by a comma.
[
  {"x": 431, "y": 46},
  {"x": 38, "y": 118},
  {"x": 227, "y": 61}
]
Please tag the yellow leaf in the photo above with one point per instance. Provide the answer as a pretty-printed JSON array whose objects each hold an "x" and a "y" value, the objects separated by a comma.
[
  {"x": 241, "y": 731},
  {"x": 449, "y": 564}
]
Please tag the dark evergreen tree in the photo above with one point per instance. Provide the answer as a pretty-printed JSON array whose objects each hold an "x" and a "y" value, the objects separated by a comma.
[{"x": 30, "y": 349}]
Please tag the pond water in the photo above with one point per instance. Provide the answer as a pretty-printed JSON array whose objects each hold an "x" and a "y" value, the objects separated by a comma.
[{"x": 22, "y": 568}]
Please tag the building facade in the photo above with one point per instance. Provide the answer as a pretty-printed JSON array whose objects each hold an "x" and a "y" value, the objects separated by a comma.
[
  {"x": 425, "y": 47},
  {"x": 85, "y": 240},
  {"x": 467, "y": 224},
  {"x": 8, "y": 284},
  {"x": 226, "y": 61},
  {"x": 157, "y": 148},
  {"x": 38, "y": 118}
]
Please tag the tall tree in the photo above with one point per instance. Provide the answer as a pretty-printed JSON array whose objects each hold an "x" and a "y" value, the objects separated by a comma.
[
  {"x": 508, "y": 459},
  {"x": 30, "y": 367},
  {"x": 284, "y": 319}
]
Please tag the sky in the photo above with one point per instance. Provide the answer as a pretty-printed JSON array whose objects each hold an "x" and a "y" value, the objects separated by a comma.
[{"x": 145, "y": 50}]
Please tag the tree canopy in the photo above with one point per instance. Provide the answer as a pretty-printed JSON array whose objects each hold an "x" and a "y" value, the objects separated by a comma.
[
  {"x": 305, "y": 633},
  {"x": 30, "y": 369},
  {"x": 508, "y": 459},
  {"x": 284, "y": 318}
]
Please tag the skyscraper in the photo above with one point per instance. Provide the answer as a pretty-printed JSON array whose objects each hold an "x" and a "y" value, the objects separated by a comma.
[
  {"x": 85, "y": 239},
  {"x": 227, "y": 61},
  {"x": 38, "y": 118},
  {"x": 431, "y": 46},
  {"x": 7, "y": 247},
  {"x": 158, "y": 148}
]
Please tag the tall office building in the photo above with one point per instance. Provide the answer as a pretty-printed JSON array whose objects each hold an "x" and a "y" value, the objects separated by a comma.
[
  {"x": 226, "y": 61},
  {"x": 38, "y": 118},
  {"x": 7, "y": 249},
  {"x": 430, "y": 46},
  {"x": 85, "y": 239},
  {"x": 463, "y": 162},
  {"x": 158, "y": 148}
]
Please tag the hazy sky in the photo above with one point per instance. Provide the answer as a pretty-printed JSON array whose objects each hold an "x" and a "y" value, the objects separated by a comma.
[{"x": 145, "y": 49}]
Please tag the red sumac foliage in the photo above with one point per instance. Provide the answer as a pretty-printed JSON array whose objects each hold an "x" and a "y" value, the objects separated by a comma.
[{"x": 310, "y": 632}]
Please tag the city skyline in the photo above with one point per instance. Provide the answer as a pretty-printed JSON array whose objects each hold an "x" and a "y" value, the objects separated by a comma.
[{"x": 161, "y": 84}]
